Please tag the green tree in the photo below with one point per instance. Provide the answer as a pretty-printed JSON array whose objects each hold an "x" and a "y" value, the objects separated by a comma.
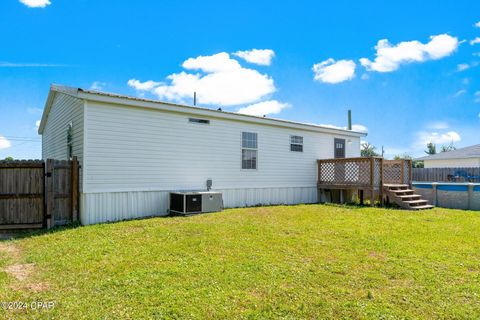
[
  {"x": 446, "y": 148},
  {"x": 9, "y": 158},
  {"x": 368, "y": 150},
  {"x": 431, "y": 148},
  {"x": 402, "y": 156},
  {"x": 417, "y": 164}
]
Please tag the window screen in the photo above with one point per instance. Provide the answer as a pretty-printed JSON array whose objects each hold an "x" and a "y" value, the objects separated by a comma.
[
  {"x": 249, "y": 150},
  {"x": 296, "y": 143}
]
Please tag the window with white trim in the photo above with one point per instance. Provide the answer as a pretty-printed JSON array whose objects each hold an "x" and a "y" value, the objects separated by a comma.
[
  {"x": 249, "y": 150},
  {"x": 296, "y": 143}
]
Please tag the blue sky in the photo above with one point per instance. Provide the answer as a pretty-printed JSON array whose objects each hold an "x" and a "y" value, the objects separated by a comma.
[{"x": 313, "y": 62}]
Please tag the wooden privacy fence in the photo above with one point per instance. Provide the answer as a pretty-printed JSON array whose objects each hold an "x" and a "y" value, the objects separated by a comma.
[
  {"x": 446, "y": 174},
  {"x": 37, "y": 193}
]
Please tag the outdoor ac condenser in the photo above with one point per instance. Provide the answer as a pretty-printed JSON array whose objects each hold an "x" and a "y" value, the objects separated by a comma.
[{"x": 195, "y": 202}]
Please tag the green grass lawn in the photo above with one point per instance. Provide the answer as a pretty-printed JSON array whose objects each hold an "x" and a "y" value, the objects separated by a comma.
[{"x": 306, "y": 261}]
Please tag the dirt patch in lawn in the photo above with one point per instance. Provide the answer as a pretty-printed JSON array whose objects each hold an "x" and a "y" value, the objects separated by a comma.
[
  {"x": 22, "y": 272},
  {"x": 12, "y": 251}
]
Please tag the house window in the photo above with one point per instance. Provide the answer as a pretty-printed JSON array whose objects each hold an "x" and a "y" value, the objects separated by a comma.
[
  {"x": 249, "y": 150},
  {"x": 70, "y": 141},
  {"x": 201, "y": 121},
  {"x": 296, "y": 143}
]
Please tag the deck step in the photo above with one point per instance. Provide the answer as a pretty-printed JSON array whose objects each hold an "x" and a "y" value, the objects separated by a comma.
[
  {"x": 427, "y": 206},
  {"x": 405, "y": 197},
  {"x": 401, "y": 191},
  {"x": 415, "y": 201},
  {"x": 396, "y": 185}
]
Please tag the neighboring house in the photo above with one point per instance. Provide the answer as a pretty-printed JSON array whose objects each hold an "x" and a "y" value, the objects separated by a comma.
[
  {"x": 134, "y": 151},
  {"x": 460, "y": 158}
]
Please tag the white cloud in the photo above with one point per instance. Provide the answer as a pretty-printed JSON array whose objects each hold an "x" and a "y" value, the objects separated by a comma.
[
  {"x": 36, "y": 3},
  {"x": 221, "y": 81},
  {"x": 6, "y": 64},
  {"x": 438, "y": 125},
  {"x": 459, "y": 93},
  {"x": 425, "y": 137},
  {"x": 355, "y": 127},
  {"x": 365, "y": 76},
  {"x": 142, "y": 86},
  {"x": 261, "y": 57},
  {"x": 475, "y": 41},
  {"x": 37, "y": 124},
  {"x": 34, "y": 110},
  {"x": 359, "y": 128},
  {"x": 462, "y": 66},
  {"x": 331, "y": 71},
  {"x": 477, "y": 24},
  {"x": 4, "y": 143},
  {"x": 97, "y": 85},
  {"x": 389, "y": 57},
  {"x": 220, "y": 62},
  {"x": 264, "y": 108}
]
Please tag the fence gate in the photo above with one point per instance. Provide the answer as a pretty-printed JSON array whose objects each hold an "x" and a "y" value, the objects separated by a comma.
[
  {"x": 21, "y": 194},
  {"x": 37, "y": 193}
]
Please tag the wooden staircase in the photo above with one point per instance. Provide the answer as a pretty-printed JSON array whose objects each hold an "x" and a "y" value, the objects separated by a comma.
[{"x": 404, "y": 197}]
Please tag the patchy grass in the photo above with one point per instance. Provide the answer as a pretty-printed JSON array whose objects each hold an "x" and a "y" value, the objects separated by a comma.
[{"x": 306, "y": 261}]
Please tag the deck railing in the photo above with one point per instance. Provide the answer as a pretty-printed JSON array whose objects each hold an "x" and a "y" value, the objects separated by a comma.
[{"x": 363, "y": 172}]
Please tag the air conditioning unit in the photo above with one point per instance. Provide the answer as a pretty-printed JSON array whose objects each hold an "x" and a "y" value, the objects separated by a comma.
[{"x": 193, "y": 202}]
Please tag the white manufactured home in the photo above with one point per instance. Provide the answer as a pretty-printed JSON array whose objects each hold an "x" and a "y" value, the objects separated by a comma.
[{"x": 134, "y": 151}]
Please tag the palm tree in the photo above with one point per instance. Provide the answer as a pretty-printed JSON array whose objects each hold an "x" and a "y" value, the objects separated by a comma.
[{"x": 431, "y": 148}]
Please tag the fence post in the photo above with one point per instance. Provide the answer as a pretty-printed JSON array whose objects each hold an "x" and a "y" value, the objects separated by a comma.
[
  {"x": 50, "y": 194},
  {"x": 402, "y": 171},
  {"x": 470, "y": 195},
  {"x": 381, "y": 181},
  {"x": 74, "y": 188},
  {"x": 410, "y": 168},
  {"x": 319, "y": 171},
  {"x": 372, "y": 180}
]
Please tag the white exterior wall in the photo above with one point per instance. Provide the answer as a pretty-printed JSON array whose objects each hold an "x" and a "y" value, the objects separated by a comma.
[
  {"x": 453, "y": 163},
  {"x": 65, "y": 109},
  {"x": 134, "y": 156}
]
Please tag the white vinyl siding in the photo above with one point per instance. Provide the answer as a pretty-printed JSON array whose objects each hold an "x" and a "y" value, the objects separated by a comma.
[
  {"x": 65, "y": 110},
  {"x": 452, "y": 163},
  {"x": 136, "y": 149}
]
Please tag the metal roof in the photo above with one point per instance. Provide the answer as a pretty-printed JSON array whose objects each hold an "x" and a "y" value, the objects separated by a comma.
[{"x": 467, "y": 152}]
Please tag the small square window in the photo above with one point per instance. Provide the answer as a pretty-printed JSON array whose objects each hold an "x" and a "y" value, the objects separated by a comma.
[{"x": 296, "y": 143}]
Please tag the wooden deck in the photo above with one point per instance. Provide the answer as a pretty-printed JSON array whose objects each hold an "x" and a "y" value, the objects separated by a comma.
[{"x": 367, "y": 175}]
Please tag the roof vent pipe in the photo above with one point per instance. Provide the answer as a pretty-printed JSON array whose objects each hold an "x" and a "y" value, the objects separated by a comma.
[
  {"x": 194, "y": 98},
  {"x": 349, "y": 119}
]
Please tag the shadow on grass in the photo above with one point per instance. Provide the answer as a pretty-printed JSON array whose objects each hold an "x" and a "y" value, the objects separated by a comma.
[{"x": 6, "y": 235}]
